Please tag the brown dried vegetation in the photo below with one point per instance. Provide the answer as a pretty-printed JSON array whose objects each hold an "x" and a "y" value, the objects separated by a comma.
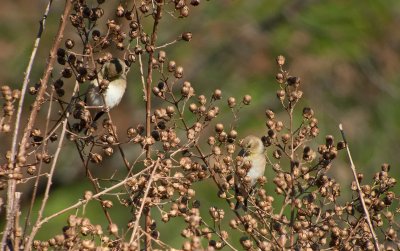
[{"x": 303, "y": 213}]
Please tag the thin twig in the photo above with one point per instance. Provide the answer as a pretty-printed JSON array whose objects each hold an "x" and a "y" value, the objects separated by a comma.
[
  {"x": 142, "y": 77},
  {"x": 17, "y": 211},
  {"x": 36, "y": 184},
  {"x": 360, "y": 194},
  {"x": 167, "y": 44},
  {"x": 83, "y": 202},
  {"x": 50, "y": 176},
  {"x": 143, "y": 201}
]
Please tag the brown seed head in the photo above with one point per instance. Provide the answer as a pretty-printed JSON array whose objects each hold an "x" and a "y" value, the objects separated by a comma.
[
  {"x": 231, "y": 102},
  {"x": 280, "y": 60},
  {"x": 246, "y": 99},
  {"x": 187, "y": 36}
]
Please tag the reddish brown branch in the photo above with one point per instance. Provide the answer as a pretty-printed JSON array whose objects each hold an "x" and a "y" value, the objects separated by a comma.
[
  {"x": 31, "y": 121},
  {"x": 149, "y": 80}
]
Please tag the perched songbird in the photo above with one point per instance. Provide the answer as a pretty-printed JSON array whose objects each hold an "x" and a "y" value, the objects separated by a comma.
[
  {"x": 253, "y": 154},
  {"x": 109, "y": 86}
]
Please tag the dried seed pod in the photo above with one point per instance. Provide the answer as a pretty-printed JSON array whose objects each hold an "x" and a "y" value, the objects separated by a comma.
[
  {"x": 144, "y": 8},
  {"x": 66, "y": 73},
  {"x": 88, "y": 195},
  {"x": 107, "y": 203},
  {"x": 120, "y": 46},
  {"x": 308, "y": 113},
  {"x": 96, "y": 158},
  {"x": 129, "y": 15},
  {"x": 219, "y": 128},
  {"x": 178, "y": 72},
  {"x": 108, "y": 151},
  {"x": 186, "y": 36},
  {"x": 113, "y": 229},
  {"x": 279, "y": 126},
  {"x": 210, "y": 115},
  {"x": 216, "y": 150},
  {"x": 231, "y": 102},
  {"x": 385, "y": 167},
  {"x": 202, "y": 109},
  {"x": 193, "y": 107},
  {"x": 246, "y": 242},
  {"x": 202, "y": 100},
  {"x": 171, "y": 66},
  {"x": 69, "y": 43},
  {"x": 133, "y": 34},
  {"x": 131, "y": 58},
  {"x": 293, "y": 81},
  {"x": 134, "y": 25},
  {"x": 31, "y": 170},
  {"x": 280, "y": 60},
  {"x": 246, "y": 99},
  {"x": 232, "y": 134},
  {"x": 329, "y": 140},
  {"x": 170, "y": 110},
  {"x": 270, "y": 114},
  {"x": 161, "y": 56},
  {"x": 195, "y": 2},
  {"x": 184, "y": 11},
  {"x": 281, "y": 94},
  {"x": 217, "y": 94},
  {"x": 211, "y": 140},
  {"x": 280, "y": 78},
  {"x": 138, "y": 49},
  {"x": 120, "y": 11}
]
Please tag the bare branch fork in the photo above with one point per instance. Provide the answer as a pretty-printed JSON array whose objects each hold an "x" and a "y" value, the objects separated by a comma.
[{"x": 360, "y": 194}]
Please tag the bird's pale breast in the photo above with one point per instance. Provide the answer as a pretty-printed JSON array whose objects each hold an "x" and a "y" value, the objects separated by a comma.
[
  {"x": 112, "y": 95},
  {"x": 257, "y": 169}
]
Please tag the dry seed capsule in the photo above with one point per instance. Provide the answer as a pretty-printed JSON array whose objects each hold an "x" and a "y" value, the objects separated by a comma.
[{"x": 231, "y": 102}]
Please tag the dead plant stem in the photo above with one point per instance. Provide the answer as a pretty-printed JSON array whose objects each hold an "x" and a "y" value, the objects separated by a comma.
[{"x": 360, "y": 193}]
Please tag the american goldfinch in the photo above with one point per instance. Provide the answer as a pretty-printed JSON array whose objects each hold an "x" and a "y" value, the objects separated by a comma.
[
  {"x": 108, "y": 87},
  {"x": 253, "y": 155}
]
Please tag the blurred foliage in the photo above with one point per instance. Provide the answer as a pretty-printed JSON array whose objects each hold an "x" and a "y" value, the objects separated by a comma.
[{"x": 346, "y": 52}]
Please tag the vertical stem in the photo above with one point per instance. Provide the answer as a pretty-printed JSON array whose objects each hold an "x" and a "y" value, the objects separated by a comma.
[
  {"x": 17, "y": 229},
  {"x": 149, "y": 80},
  {"x": 292, "y": 190},
  {"x": 12, "y": 184},
  {"x": 36, "y": 185},
  {"x": 292, "y": 185},
  {"x": 360, "y": 194}
]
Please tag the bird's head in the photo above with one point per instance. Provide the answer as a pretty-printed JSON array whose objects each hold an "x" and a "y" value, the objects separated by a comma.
[
  {"x": 252, "y": 145},
  {"x": 114, "y": 69}
]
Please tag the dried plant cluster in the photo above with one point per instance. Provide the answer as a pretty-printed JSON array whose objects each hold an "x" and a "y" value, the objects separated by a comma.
[{"x": 183, "y": 143}]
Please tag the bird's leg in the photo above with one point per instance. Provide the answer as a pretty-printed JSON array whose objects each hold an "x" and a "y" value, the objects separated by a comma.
[{"x": 105, "y": 109}]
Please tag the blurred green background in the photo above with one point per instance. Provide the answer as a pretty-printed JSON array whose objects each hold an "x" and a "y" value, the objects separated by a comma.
[{"x": 347, "y": 54}]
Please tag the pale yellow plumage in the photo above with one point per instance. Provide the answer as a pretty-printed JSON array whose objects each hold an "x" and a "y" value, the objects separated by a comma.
[
  {"x": 115, "y": 72},
  {"x": 253, "y": 151}
]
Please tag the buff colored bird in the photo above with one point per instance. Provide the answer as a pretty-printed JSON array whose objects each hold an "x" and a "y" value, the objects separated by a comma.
[
  {"x": 113, "y": 78},
  {"x": 252, "y": 152}
]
